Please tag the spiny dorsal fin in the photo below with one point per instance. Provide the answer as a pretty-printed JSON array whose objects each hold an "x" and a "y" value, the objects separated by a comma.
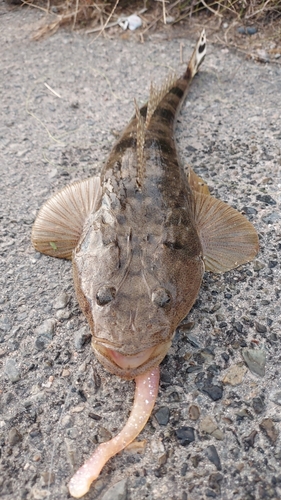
[
  {"x": 198, "y": 55},
  {"x": 228, "y": 239},
  {"x": 60, "y": 221},
  {"x": 157, "y": 94},
  {"x": 140, "y": 147}
]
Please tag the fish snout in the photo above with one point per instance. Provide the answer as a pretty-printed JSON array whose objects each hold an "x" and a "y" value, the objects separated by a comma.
[{"x": 130, "y": 365}]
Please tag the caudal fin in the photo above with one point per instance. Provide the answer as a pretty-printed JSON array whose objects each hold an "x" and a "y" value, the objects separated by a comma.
[{"x": 198, "y": 55}]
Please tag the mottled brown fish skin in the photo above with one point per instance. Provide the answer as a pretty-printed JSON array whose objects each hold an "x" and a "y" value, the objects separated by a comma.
[
  {"x": 141, "y": 234},
  {"x": 140, "y": 252}
]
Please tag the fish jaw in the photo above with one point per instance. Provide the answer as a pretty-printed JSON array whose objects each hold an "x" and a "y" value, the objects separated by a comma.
[{"x": 130, "y": 366}]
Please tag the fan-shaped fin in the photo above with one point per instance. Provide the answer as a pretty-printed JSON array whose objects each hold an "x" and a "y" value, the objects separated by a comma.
[
  {"x": 227, "y": 237},
  {"x": 59, "y": 223}
]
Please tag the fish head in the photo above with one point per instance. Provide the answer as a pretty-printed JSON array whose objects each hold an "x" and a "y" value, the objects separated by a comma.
[{"x": 134, "y": 288}]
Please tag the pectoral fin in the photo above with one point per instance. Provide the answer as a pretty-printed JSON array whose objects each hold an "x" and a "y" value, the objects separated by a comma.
[
  {"x": 59, "y": 223},
  {"x": 227, "y": 237}
]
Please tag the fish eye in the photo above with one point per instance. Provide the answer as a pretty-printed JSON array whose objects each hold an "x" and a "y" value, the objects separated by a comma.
[
  {"x": 161, "y": 297},
  {"x": 105, "y": 294}
]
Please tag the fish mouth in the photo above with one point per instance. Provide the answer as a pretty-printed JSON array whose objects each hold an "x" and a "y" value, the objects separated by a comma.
[{"x": 130, "y": 366}]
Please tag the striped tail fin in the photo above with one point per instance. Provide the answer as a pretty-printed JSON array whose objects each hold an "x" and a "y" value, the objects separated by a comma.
[{"x": 198, "y": 55}]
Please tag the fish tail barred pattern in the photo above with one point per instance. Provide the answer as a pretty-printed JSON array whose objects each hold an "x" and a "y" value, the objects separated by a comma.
[
  {"x": 197, "y": 57},
  {"x": 155, "y": 120},
  {"x": 164, "y": 103}
]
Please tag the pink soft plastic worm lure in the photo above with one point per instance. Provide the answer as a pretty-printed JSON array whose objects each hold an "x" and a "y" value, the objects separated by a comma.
[{"x": 145, "y": 395}]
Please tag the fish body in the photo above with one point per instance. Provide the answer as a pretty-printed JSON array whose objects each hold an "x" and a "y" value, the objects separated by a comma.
[{"x": 141, "y": 236}]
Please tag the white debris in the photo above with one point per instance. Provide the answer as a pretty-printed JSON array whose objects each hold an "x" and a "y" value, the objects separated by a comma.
[{"x": 132, "y": 22}]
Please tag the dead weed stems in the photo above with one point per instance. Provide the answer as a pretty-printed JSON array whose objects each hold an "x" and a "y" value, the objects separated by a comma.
[{"x": 102, "y": 14}]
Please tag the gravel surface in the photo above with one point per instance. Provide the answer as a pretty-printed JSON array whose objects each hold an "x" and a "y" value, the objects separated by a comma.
[{"x": 215, "y": 430}]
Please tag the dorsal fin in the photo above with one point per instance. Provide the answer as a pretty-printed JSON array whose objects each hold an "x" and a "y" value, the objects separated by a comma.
[
  {"x": 140, "y": 147},
  {"x": 157, "y": 94}
]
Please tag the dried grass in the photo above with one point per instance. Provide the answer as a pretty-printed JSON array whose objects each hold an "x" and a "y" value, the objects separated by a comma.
[{"x": 97, "y": 16}]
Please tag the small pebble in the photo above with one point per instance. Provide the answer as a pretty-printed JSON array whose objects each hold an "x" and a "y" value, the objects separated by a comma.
[
  {"x": 205, "y": 385},
  {"x": 193, "y": 340},
  {"x": 42, "y": 342},
  {"x": 104, "y": 435},
  {"x": 47, "y": 478},
  {"x": 208, "y": 425},
  {"x": 249, "y": 440},
  {"x": 194, "y": 412},
  {"x": 249, "y": 30},
  {"x": 162, "y": 415},
  {"x": 63, "y": 314},
  {"x": 258, "y": 404},
  {"x": 11, "y": 370},
  {"x": 61, "y": 301},
  {"x": 185, "y": 435},
  {"x": 218, "y": 434},
  {"x": 45, "y": 333},
  {"x": 213, "y": 456},
  {"x": 225, "y": 356},
  {"x": 260, "y": 328},
  {"x": 81, "y": 337},
  {"x": 117, "y": 492},
  {"x": 235, "y": 374},
  {"x": 238, "y": 326},
  {"x": 266, "y": 198},
  {"x": 249, "y": 210},
  {"x": 214, "y": 482},
  {"x": 66, "y": 421},
  {"x": 210, "y": 493},
  {"x": 46, "y": 328},
  {"x": 258, "y": 265},
  {"x": 14, "y": 436},
  {"x": 264, "y": 57},
  {"x": 94, "y": 416},
  {"x": 156, "y": 446},
  {"x": 136, "y": 447},
  {"x": 255, "y": 360},
  {"x": 195, "y": 460},
  {"x": 268, "y": 427}
]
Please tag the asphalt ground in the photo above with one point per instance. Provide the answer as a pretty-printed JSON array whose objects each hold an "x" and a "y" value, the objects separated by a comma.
[{"x": 215, "y": 430}]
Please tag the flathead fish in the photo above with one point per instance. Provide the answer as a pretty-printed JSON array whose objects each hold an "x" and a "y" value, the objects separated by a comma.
[{"x": 141, "y": 235}]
